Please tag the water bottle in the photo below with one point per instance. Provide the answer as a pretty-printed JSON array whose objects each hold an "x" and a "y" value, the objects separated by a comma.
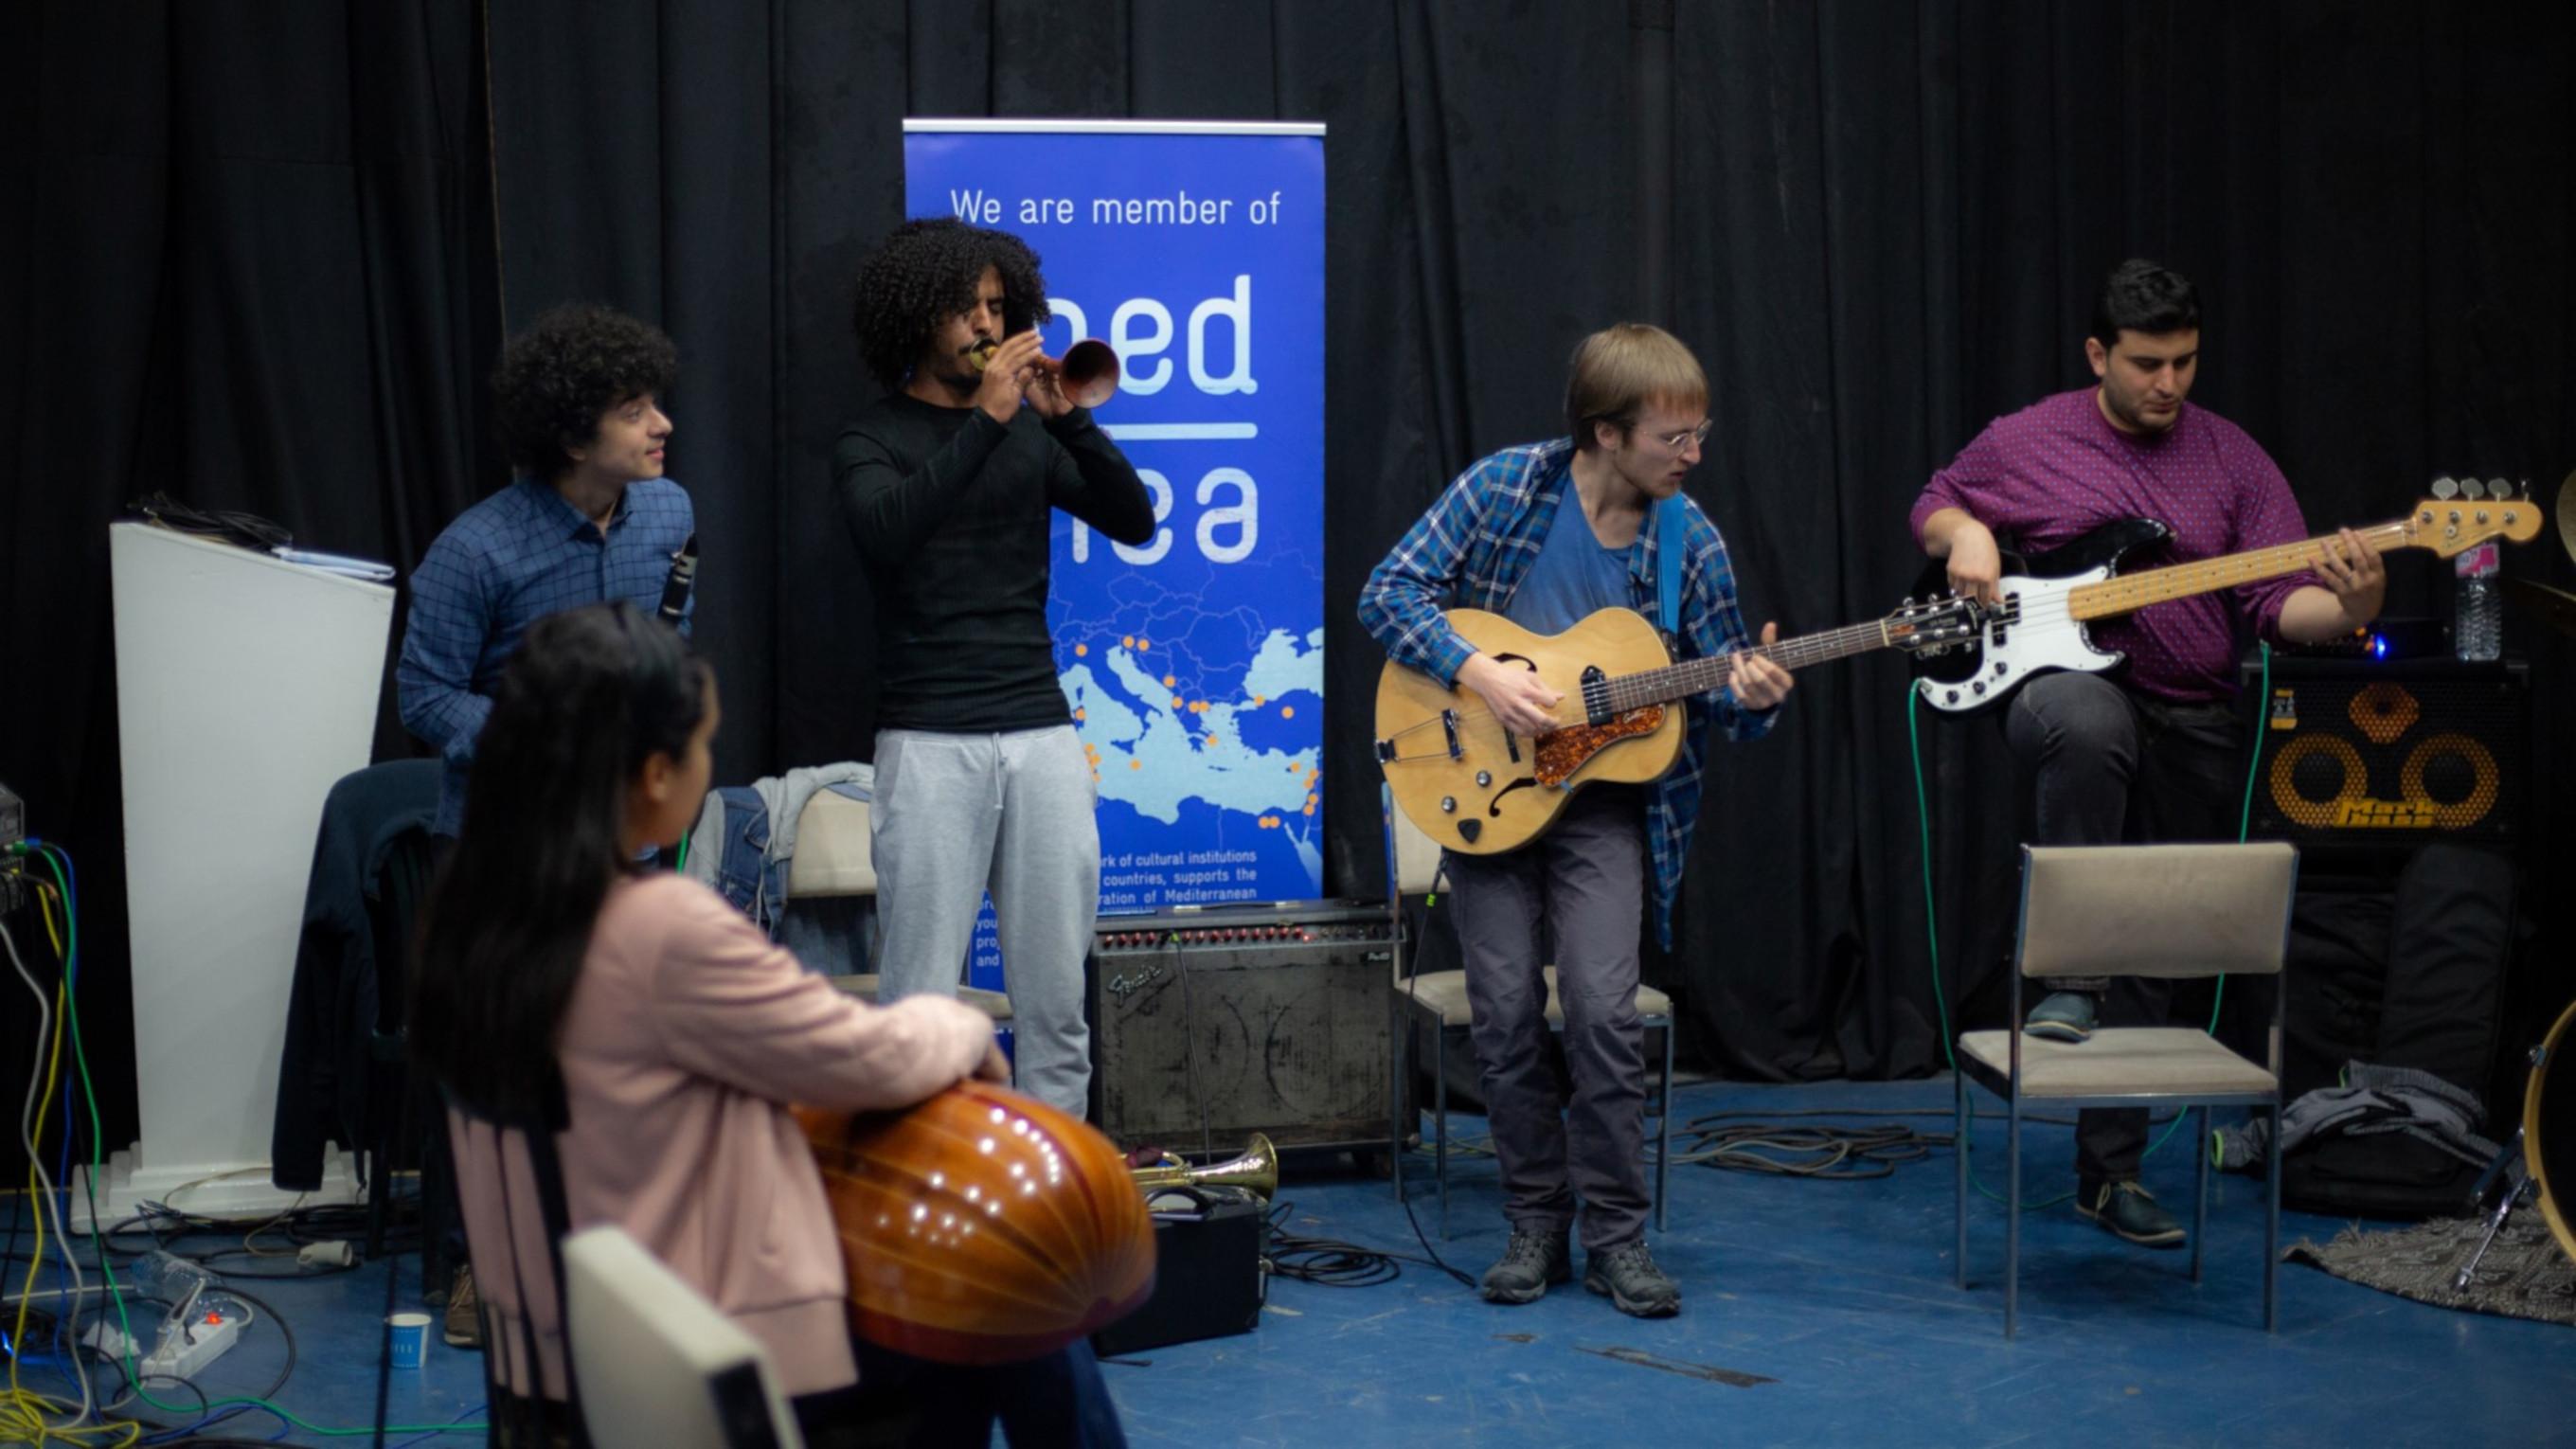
[{"x": 2478, "y": 630}]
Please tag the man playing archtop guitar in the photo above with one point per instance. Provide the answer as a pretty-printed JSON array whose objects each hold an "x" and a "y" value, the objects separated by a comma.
[{"x": 1546, "y": 535}]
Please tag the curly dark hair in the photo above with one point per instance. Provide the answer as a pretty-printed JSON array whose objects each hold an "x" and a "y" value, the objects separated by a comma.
[
  {"x": 574, "y": 363},
  {"x": 925, "y": 273}
]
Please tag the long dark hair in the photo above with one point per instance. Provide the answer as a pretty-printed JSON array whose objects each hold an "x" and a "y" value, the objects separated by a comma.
[{"x": 591, "y": 695}]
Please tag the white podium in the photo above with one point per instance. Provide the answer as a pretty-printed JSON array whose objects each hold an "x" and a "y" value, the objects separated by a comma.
[{"x": 246, "y": 687}]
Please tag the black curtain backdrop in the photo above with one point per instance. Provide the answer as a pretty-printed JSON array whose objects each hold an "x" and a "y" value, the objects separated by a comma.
[
  {"x": 246, "y": 257},
  {"x": 263, "y": 256}
]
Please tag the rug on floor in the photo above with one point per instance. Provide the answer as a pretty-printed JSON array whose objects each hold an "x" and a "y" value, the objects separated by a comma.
[{"x": 2524, "y": 1275}]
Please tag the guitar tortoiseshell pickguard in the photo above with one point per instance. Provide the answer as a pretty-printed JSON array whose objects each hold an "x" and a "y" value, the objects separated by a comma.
[{"x": 1562, "y": 752}]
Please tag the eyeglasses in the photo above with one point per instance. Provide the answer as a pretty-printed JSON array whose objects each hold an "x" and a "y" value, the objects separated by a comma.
[{"x": 1680, "y": 443}]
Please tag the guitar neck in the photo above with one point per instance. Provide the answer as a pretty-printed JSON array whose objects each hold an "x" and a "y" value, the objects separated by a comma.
[
  {"x": 1698, "y": 676},
  {"x": 2128, "y": 593}
]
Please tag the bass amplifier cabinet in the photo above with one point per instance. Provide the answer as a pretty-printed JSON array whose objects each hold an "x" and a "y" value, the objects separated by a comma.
[
  {"x": 1269, "y": 1019},
  {"x": 2383, "y": 757}
]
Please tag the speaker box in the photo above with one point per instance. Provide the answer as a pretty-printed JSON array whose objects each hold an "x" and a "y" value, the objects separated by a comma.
[
  {"x": 2379, "y": 757},
  {"x": 1270, "y": 1020},
  {"x": 1208, "y": 1279}
]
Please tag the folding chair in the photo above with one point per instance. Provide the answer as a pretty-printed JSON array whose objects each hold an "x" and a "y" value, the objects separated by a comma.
[{"x": 2137, "y": 910}]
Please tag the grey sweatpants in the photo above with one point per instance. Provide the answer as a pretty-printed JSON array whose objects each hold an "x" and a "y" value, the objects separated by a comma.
[{"x": 957, "y": 814}]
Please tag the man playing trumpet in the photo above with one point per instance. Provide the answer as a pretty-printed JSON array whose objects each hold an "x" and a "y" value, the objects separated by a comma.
[{"x": 946, "y": 485}]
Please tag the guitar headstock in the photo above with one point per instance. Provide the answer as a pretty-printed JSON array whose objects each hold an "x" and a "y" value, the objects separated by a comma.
[
  {"x": 1928, "y": 626},
  {"x": 2463, "y": 513}
]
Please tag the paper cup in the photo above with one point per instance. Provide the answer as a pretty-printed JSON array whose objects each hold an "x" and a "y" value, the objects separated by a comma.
[{"x": 411, "y": 1339}]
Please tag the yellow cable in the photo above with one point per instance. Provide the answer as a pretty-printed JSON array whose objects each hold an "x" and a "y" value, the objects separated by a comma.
[
  {"x": 22, "y": 1410},
  {"x": 46, "y": 897},
  {"x": 20, "y": 1401}
]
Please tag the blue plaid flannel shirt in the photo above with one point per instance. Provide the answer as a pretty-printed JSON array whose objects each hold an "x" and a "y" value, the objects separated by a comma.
[
  {"x": 505, "y": 563},
  {"x": 1471, "y": 551}
]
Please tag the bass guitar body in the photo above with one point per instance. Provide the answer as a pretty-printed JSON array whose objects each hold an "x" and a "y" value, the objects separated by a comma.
[
  {"x": 1478, "y": 789},
  {"x": 2030, "y": 632}
]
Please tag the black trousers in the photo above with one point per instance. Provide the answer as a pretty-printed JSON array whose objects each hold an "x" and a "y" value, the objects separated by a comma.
[{"x": 2109, "y": 766}]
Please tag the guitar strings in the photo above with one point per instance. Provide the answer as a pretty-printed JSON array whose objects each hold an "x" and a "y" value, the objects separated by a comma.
[{"x": 2044, "y": 616}]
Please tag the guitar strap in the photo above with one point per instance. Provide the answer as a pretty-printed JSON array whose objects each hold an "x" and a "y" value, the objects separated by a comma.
[{"x": 1670, "y": 529}]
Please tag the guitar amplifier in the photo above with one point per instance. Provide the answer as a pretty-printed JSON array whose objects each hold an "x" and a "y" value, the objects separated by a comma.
[
  {"x": 2384, "y": 756},
  {"x": 1269, "y": 1019}
]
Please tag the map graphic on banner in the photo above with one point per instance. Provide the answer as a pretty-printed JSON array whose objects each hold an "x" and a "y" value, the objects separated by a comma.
[{"x": 1194, "y": 662}]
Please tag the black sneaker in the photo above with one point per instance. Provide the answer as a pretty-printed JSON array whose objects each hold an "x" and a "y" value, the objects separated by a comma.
[
  {"x": 2124, "y": 1208},
  {"x": 1628, "y": 1275},
  {"x": 1530, "y": 1262}
]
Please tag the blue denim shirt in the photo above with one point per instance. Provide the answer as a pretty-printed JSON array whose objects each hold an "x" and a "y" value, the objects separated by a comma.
[{"x": 505, "y": 563}]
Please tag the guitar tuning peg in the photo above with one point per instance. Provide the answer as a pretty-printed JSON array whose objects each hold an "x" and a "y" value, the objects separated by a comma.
[
  {"x": 2497, "y": 488},
  {"x": 2446, "y": 487}
]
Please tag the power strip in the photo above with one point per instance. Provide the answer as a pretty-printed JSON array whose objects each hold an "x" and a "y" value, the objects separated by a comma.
[{"x": 214, "y": 1325}]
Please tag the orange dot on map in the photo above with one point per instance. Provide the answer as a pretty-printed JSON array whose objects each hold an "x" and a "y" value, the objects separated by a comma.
[
  {"x": 1081, "y": 649},
  {"x": 1135, "y": 764},
  {"x": 1177, "y": 701},
  {"x": 1310, "y": 807},
  {"x": 1287, "y": 711},
  {"x": 1077, "y": 714},
  {"x": 1169, "y": 681},
  {"x": 1128, "y": 640},
  {"x": 1144, "y": 643},
  {"x": 1211, "y": 740}
]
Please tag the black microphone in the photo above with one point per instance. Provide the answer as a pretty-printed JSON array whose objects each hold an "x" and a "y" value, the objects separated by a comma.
[{"x": 675, "y": 589}]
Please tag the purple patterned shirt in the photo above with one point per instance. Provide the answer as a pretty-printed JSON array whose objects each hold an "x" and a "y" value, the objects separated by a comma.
[{"x": 2057, "y": 469}]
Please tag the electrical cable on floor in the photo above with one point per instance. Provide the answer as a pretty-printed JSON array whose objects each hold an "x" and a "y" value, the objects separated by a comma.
[
  {"x": 1330, "y": 1263},
  {"x": 66, "y": 1023}
]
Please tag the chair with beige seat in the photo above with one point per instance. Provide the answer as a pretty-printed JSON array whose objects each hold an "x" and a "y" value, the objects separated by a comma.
[
  {"x": 1438, "y": 1000},
  {"x": 2169, "y": 911},
  {"x": 834, "y": 858}
]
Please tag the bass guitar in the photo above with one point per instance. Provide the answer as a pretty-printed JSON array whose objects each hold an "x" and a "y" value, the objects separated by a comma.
[
  {"x": 2049, "y": 599},
  {"x": 1477, "y": 788}
]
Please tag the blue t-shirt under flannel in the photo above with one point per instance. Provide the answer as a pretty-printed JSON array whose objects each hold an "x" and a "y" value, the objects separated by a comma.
[
  {"x": 505, "y": 563},
  {"x": 1574, "y": 576}
]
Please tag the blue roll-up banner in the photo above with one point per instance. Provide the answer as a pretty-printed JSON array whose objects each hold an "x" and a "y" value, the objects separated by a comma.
[{"x": 1195, "y": 662}]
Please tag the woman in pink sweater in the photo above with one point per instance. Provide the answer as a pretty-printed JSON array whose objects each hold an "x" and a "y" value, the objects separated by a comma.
[{"x": 660, "y": 1037}]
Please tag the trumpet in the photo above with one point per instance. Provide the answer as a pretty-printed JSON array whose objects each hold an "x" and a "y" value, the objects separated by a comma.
[
  {"x": 1255, "y": 1169},
  {"x": 1088, "y": 373}
]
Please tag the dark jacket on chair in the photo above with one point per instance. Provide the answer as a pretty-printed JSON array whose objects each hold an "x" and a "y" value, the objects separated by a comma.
[{"x": 325, "y": 1074}]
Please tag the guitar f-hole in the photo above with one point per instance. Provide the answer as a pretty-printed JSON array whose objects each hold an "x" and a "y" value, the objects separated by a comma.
[
  {"x": 1494, "y": 807},
  {"x": 1512, "y": 742}
]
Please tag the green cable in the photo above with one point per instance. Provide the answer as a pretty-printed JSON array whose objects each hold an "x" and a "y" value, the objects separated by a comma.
[
  {"x": 97, "y": 1139},
  {"x": 1940, "y": 998},
  {"x": 682, "y": 864}
]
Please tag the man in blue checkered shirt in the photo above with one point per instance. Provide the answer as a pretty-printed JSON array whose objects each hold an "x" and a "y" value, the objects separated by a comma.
[
  {"x": 589, "y": 519},
  {"x": 578, "y": 398},
  {"x": 1546, "y": 535}
]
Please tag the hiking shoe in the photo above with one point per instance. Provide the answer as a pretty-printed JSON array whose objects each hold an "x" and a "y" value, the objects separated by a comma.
[
  {"x": 2064, "y": 1016},
  {"x": 464, "y": 1324},
  {"x": 1628, "y": 1275},
  {"x": 2124, "y": 1208},
  {"x": 1530, "y": 1262}
]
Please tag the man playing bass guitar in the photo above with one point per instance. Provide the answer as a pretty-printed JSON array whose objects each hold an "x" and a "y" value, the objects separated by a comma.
[
  {"x": 2151, "y": 753},
  {"x": 1544, "y": 535}
]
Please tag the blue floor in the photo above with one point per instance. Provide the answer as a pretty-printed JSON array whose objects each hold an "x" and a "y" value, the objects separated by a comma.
[{"x": 1814, "y": 1313}]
